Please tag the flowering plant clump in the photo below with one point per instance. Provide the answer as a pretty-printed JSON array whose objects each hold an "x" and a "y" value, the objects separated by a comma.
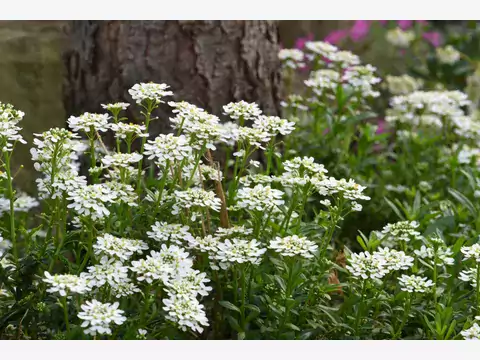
[{"x": 351, "y": 214}]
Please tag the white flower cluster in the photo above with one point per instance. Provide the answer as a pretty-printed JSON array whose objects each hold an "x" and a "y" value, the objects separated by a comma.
[
  {"x": 65, "y": 284},
  {"x": 300, "y": 171},
  {"x": 400, "y": 38},
  {"x": 168, "y": 148},
  {"x": 260, "y": 198},
  {"x": 414, "y": 283},
  {"x": 242, "y": 109},
  {"x": 375, "y": 266},
  {"x": 115, "y": 107},
  {"x": 9, "y": 119},
  {"x": 118, "y": 247},
  {"x": 97, "y": 317},
  {"x": 149, "y": 92},
  {"x": 173, "y": 233},
  {"x": 239, "y": 251},
  {"x": 469, "y": 275},
  {"x": 431, "y": 108},
  {"x": 55, "y": 155},
  {"x": 294, "y": 246},
  {"x": 125, "y": 131},
  {"x": 22, "y": 203},
  {"x": 89, "y": 123},
  {"x": 108, "y": 271},
  {"x": 347, "y": 190},
  {"x": 292, "y": 58},
  {"x": 447, "y": 55},
  {"x": 195, "y": 198},
  {"x": 403, "y": 84},
  {"x": 273, "y": 125},
  {"x": 444, "y": 255},
  {"x": 92, "y": 200},
  {"x": 472, "y": 333},
  {"x": 358, "y": 79},
  {"x": 401, "y": 231},
  {"x": 471, "y": 252}
]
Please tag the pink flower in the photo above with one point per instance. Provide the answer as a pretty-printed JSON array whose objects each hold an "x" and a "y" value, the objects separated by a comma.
[
  {"x": 300, "y": 43},
  {"x": 359, "y": 30},
  {"x": 433, "y": 37},
  {"x": 336, "y": 36},
  {"x": 382, "y": 126},
  {"x": 383, "y": 22},
  {"x": 405, "y": 24}
]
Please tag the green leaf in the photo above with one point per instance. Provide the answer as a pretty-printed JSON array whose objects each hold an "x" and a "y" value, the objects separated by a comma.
[
  {"x": 229, "y": 305},
  {"x": 292, "y": 326},
  {"x": 234, "y": 323},
  {"x": 395, "y": 209},
  {"x": 462, "y": 199}
]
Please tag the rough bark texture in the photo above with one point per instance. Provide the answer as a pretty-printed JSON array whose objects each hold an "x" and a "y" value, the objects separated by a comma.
[{"x": 207, "y": 63}]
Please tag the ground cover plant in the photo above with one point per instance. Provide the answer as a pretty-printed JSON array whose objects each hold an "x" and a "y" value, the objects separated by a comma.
[{"x": 324, "y": 223}]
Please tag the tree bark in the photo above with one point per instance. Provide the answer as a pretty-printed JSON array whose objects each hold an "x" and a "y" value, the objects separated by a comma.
[{"x": 207, "y": 63}]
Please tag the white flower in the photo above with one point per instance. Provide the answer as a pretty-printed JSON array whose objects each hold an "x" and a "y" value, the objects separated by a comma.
[
  {"x": 121, "y": 248},
  {"x": 121, "y": 159},
  {"x": 347, "y": 189},
  {"x": 254, "y": 137},
  {"x": 472, "y": 333},
  {"x": 469, "y": 275},
  {"x": 240, "y": 251},
  {"x": 364, "y": 265},
  {"x": 260, "y": 198},
  {"x": 242, "y": 109},
  {"x": 443, "y": 255},
  {"x": 109, "y": 271},
  {"x": 448, "y": 55},
  {"x": 471, "y": 252},
  {"x": 65, "y": 284},
  {"x": 321, "y": 48},
  {"x": 273, "y": 125},
  {"x": 431, "y": 108},
  {"x": 98, "y": 317},
  {"x": 291, "y": 58},
  {"x": 4, "y": 245},
  {"x": 168, "y": 148},
  {"x": 149, "y": 91},
  {"x": 23, "y": 203},
  {"x": 293, "y": 246},
  {"x": 90, "y": 200},
  {"x": 195, "y": 197},
  {"x": 345, "y": 58},
  {"x": 232, "y": 231},
  {"x": 123, "y": 130},
  {"x": 116, "y": 107},
  {"x": 175, "y": 233},
  {"x": 125, "y": 288},
  {"x": 188, "y": 285},
  {"x": 9, "y": 118},
  {"x": 186, "y": 313},
  {"x": 208, "y": 244},
  {"x": 394, "y": 260},
  {"x": 402, "y": 231},
  {"x": 414, "y": 283},
  {"x": 89, "y": 122},
  {"x": 400, "y": 38},
  {"x": 142, "y": 334},
  {"x": 403, "y": 84}
]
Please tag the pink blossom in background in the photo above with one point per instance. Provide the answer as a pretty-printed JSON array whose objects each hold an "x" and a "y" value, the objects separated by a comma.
[
  {"x": 433, "y": 37},
  {"x": 382, "y": 126},
  {"x": 359, "y": 30},
  {"x": 383, "y": 22},
  {"x": 300, "y": 42},
  {"x": 405, "y": 24},
  {"x": 336, "y": 36}
]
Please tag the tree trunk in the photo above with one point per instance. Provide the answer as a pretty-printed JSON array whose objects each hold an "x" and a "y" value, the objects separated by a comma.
[{"x": 207, "y": 63}]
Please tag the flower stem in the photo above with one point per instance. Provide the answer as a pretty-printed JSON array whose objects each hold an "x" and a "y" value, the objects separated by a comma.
[
  {"x": 11, "y": 196},
  {"x": 65, "y": 314},
  {"x": 360, "y": 307}
]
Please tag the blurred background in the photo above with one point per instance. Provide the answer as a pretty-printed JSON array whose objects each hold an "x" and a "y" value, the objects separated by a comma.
[{"x": 32, "y": 70}]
